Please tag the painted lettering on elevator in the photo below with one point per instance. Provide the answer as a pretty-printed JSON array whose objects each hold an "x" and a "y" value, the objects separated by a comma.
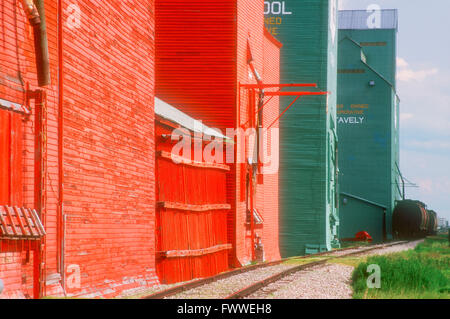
[
  {"x": 277, "y": 9},
  {"x": 354, "y": 114}
]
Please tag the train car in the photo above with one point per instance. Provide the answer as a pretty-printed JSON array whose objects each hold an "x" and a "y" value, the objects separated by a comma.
[
  {"x": 432, "y": 223},
  {"x": 410, "y": 220}
]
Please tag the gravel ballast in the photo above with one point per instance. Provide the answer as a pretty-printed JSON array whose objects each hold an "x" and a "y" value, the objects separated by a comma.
[
  {"x": 331, "y": 281},
  {"x": 321, "y": 282},
  {"x": 225, "y": 287}
]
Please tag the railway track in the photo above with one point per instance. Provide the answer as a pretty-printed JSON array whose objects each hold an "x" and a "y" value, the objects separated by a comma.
[
  {"x": 280, "y": 276},
  {"x": 242, "y": 282}
]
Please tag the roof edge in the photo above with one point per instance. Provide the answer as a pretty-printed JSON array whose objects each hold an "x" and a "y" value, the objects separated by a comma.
[
  {"x": 174, "y": 115},
  {"x": 369, "y": 66},
  {"x": 272, "y": 38},
  {"x": 364, "y": 200}
]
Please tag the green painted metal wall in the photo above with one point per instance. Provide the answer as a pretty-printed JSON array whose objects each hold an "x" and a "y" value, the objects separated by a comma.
[
  {"x": 380, "y": 48},
  {"x": 361, "y": 215},
  {"x": 308, "y": 201},
  {"x": 368, "y": 126}
]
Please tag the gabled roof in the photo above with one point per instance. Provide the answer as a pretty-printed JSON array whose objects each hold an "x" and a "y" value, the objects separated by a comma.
[
  {"x": 357, "y": 19},
  {"x": 365, "y": 63},
  {"x": 173, "y": 114}
]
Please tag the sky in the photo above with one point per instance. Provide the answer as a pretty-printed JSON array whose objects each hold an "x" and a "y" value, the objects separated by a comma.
[{"x": 423, "y": 84}]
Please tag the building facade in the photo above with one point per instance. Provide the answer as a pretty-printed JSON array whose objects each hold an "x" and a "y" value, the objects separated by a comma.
[
  {"x": 368, "y": 122},
  {"x": 309, "y": 219},
  {"x": 83, "y": 145}
]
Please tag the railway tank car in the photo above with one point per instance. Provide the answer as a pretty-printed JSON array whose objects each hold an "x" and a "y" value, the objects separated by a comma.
[
  {"x": 432, "y": 223},
  {"x": 410, "y": 220}
]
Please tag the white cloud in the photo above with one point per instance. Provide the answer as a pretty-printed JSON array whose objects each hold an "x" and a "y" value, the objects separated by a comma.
[
  {"x": 425, "y": 134},
  {"x": 425, "y": 107},
  {"x": 406, "y": 74},
  {"x": 401, "y": 63},
  {"x": 429, "y": 171},
  {"x": 406, "y": 116},
  {"x": 426, "y": 185}
]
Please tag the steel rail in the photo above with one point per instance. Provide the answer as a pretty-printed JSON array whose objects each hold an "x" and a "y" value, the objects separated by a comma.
[
  {"x": 204, "y": 281},
  {"x": 267, "y": 281}
]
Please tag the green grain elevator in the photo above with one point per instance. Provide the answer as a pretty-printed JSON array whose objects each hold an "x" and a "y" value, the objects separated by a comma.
[
  {"x": 308, "y": 163},
  {"x": 368, "y": 122}
]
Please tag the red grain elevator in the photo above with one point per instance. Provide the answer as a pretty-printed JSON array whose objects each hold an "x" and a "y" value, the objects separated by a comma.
[
  {"x": 79, "y": 150},
  {"x": 204, "y": 51}
]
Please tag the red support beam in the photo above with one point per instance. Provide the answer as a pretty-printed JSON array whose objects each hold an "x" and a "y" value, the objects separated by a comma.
[
  {"x": 295, "y": 100},
  {"x": 268, "y": 86},
  {"x": 295, "y": 93},
  {"x": 194, "y": 252}
]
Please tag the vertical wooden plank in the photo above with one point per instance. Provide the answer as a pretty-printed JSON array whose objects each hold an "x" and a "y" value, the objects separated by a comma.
[
  {"x": 4, "y": 157},
  {"x": 16, "y": 157}
]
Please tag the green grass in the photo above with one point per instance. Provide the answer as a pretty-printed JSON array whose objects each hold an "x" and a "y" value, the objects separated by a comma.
[
  {"x": 353, "y": 261},
  {"x": 302, "y": 261},
  {"x": 422, "y": 273},
  {"x": 348, "y": 244}
]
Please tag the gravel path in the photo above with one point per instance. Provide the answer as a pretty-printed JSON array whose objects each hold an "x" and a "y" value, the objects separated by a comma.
[
  {"x": 223, "y": 288},
  {"x": 331, "y": 281},
  {"x": 145, "y": 291},
  {"x": 394, "y": 249},
  {"x": 321, "y": 282}
]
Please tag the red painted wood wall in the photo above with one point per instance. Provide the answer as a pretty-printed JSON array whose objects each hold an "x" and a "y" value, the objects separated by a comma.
[
  {"x": 250, "y": 30},
  {"x": 271, "y": 74},
  {"x": 191, "y": 217},
  {"x": 201, "y": 57},
  {"x": 17, "y": 68},
  {"x": 108, "y": 144},
  {"x": 195, "y": 58}
]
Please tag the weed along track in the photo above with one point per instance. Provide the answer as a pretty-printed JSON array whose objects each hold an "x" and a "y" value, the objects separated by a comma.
[
  {"x": 246, "y": 281},
  {"x": 263, "y": 288}
]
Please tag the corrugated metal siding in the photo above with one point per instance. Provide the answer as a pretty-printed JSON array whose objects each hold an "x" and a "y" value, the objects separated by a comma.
[
  {"x": 309, "y": 41},
  {"x": 359, "y": 19}
]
